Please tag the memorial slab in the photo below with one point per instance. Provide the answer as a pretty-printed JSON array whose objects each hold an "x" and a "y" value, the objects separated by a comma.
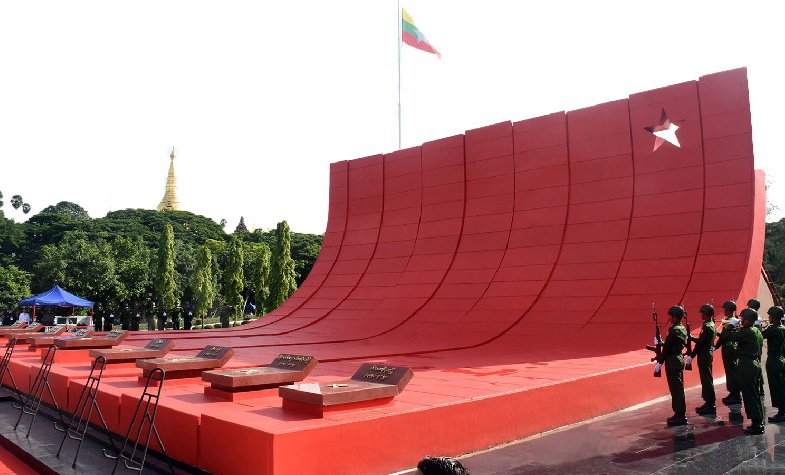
[
  {"x": 12, "y": 326},
  {"x": 111, "y": 339},
  {"x": 53, "y": 331},
  {"x": 22, "y": 329},
  {"x": 211, "y": 357},
  {"x": 372, "y": 384},
  {"x": 155, "y": 348},
  {"x": 244, "y": 383},
  {"x": 43, "y": 340}
]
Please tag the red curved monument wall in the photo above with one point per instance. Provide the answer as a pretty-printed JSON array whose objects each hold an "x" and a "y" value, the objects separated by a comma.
[{"x": 507, "y": 266}]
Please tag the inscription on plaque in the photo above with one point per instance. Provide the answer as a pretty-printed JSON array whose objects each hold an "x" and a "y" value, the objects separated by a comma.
[
  {"x": 52, "y": 329},
  {"x": 381, "y": 374},
  {"x": 156, "y": 344},
  {"x": 293, "y": 362},
  {"x": 114, "y": 334},
  {"x": 213, "y": 352},
  {"x": 82, "y": 333}
]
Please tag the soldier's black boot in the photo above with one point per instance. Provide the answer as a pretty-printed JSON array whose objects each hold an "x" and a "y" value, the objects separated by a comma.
[
  {"x": 708, "y": 409},
  {"x": 779, "y": 417},
  {"x": 755, "y": 428},
  {"x": 732, "y": 398},
  {"x": 677, "y": 420}
]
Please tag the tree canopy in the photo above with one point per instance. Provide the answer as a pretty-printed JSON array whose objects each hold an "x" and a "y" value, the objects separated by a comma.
[{"x": 117, "y": 259}]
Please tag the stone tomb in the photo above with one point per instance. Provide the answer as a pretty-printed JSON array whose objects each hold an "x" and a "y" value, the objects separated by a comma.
[
  {"x": 42, "y": 340},
  {"x": 111, "y": 339},
  {"x": 12, "y": 326},
  {"x": 210, "y": 357},
  {"x": 234, "y": 384},
  {"x": 372, "y": 385},
  {"x": 13, "y": 331},
  {"x": 155, "y": 348},
  {"x": 54, "y": 331}
]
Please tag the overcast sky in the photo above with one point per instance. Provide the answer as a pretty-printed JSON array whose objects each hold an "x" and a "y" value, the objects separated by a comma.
[{"x": 259, "y": 97}]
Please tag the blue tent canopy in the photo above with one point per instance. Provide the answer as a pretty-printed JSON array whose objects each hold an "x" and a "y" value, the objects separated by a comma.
[{"x": 55, "y": 297}]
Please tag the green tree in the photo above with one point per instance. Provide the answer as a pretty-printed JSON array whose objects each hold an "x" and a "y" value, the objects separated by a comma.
[
  {"x": 16, "y": 201},
  {"x": 202, "y": 285},
  {"x": 85, "y": 268},
  {"x": 184, "y": 267},
  {"x": 165, "y": 285},
  {"x": 132, "y": 263},
  {"x": 233, "y": 280},
  {"x": 67, "y": 208},
  {"x": 257, "y": 274},
  {"x": 14, "y": 286},
  {"x": 282, "y": 274}
]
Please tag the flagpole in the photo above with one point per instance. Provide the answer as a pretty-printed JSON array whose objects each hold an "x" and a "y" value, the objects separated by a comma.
[{"x": 400, "y": 39}]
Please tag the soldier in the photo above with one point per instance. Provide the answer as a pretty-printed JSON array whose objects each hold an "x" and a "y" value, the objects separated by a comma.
[
  {"x": 774, "y": 334},
  {"x": 108, "y": 319},
  {"x": 98, "y": 318},
  {"x": 755, "y": 305},
  {"x": 176, "y": 316},
  {"x": 162, "y": 317},
  {"x": 125, "y": 317},
  {"x": 136, "y": 316},
  {"x": 674, "y": 365},
  {"x": 748, "y": 343},
  {"x": 189, "y": 316},
  {"x": 729, "y": 353},
  {"x": 151, "y": 314},
  {"x": 703, "y": 351}
]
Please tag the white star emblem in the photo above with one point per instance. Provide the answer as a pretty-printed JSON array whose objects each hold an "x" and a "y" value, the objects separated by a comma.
[{"x": 663, "y": 132}]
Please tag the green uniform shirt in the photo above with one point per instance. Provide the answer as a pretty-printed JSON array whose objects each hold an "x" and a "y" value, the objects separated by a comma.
[
  {"x": 705, "y": 339},
  {"x": 749, "y": 342},
  {"x": 775, "y": 338},
  {"x": 674, "y": 342},
  {"x": 725, "y": 341}
]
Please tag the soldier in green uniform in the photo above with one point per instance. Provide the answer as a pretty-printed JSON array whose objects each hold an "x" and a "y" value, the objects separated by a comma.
[
  {"x": 703, "y": 351},
  {"x": 775, "y": 362},
  {"x": 674, "y": 365},
  {"x": 755, "y": 305},
  {"x": 748, "y": 343},
  {"x": 729, "y": 353}
]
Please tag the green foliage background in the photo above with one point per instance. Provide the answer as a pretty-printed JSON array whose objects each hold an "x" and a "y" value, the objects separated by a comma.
[{"x": 117, "y": 258}]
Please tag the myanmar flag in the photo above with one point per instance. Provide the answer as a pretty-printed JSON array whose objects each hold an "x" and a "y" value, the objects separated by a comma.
[{"x": 412, "y": 36}]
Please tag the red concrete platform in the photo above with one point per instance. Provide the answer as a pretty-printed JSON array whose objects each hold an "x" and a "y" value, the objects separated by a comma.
[{"x": 510, "y": 267}]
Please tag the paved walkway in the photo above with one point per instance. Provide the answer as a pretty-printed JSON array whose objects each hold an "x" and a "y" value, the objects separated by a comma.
[{"x": 637, "y": 440}]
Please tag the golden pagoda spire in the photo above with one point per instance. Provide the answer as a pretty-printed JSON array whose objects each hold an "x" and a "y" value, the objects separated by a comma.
[{"x": 169, "y": 202}]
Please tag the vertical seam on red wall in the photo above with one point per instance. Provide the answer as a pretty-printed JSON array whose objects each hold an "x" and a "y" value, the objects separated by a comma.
[
  {"x": 629, "y": 224},
  {"x": 449, "y": 266},
  {"x": 561, "y": 244},
  {"x": 327, "y": 274},
  {"x": 362, "y": 275},
  {"x": 430, "y": 297},
  {"x": 509, "y": 232},
  {"x": 703, "y": 190},
  {"x": 425, "y": 302},
  {"x": 419, "y": 223},
  {"x": 539, "y": 295}
]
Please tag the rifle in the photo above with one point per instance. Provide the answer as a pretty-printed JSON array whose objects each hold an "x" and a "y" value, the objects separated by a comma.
[
  {"x": 688, "y": 366},
  {"x": 657, "y": 348}
]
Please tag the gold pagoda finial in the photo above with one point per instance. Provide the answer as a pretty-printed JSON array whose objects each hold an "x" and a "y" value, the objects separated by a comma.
[{"x": 169, "y": 202}]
